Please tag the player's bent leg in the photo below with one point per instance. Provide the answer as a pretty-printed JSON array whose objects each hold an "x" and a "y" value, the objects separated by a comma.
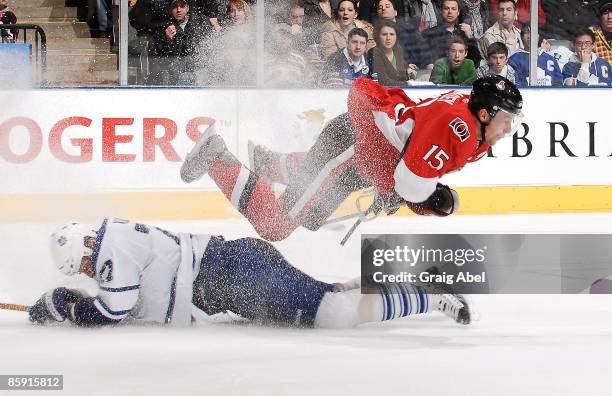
[
  {"x": 326, "y": 176},
  {"x": 259, "y": 284},
  {"x": 275, "y": 167},
  {"x": 324, "y": 180},
  {"x": 350, "y": 308},
  {"x": 330, "y": 198},
  {"x": 251, "y": 195}
]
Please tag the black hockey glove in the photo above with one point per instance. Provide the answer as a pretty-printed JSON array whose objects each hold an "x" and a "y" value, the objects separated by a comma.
[
  {"x": 443, "y": 202},
  {"x": 53, "y": 306}
]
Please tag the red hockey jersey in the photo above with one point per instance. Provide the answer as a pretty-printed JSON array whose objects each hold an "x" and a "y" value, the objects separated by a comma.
[{"x": 440, "y": 132}]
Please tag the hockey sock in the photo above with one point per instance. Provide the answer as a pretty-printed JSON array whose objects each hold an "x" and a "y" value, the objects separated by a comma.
[
  {"x": 288, "y": 165},
  {"x": 350, "y": 308},
  {"x": 252, "y": 197},
  {"x": 281, "y": 168},
  {"x": 397, "y": 300}
]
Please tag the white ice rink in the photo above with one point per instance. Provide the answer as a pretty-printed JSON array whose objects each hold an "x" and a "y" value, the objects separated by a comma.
[{"x": 522, "y": 345}]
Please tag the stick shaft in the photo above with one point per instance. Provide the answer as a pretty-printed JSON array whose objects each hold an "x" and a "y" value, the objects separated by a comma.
[
  {"x": 342, "y": 218},
  {"x": 14, "y": 307},
  {"x": 350, "y": 232}
]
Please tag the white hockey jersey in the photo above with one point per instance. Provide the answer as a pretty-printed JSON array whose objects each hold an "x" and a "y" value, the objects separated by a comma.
[{"x": 144, "y": 273}]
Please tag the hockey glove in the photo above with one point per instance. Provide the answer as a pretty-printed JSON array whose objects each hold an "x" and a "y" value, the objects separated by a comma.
[
  {"x": 53, "y": 306},
  {"x": 443, "y": 202},
  {"x": 388, "y": 203}
]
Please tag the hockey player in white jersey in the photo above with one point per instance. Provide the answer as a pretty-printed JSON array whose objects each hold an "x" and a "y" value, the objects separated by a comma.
[{"x": 146, "y": 274}]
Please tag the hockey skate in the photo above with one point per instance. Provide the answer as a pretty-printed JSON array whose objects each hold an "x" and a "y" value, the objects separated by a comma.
[
  {"x": 455, "y": 306},
  {"x": 206, "y": 150}
]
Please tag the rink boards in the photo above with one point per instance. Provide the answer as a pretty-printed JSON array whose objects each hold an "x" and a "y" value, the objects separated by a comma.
[{"x": 118, "y": 152}]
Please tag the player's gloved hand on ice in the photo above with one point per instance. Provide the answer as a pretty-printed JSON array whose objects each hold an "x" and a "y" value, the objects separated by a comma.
[
  {"x": 53, "y": 306},
  {"x": 443, "y": 202}
]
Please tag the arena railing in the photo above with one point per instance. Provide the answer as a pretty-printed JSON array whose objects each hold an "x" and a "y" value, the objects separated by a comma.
[{"x": 38, "y": 39}]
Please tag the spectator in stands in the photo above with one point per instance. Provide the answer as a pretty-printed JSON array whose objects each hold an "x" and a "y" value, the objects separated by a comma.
[
  {"x": 302, "y": 36},
  {"x": 173, "y": 48},
  {"x": 385, "y": 9},
  {"x": 503, "y": 31},
  {"x": 7, "y": 17},
  {"x": 424, "y": 14},
  {"x": 566, "y": 17},
  {"x": 439, "y": 36},
  {"x": 237, "y": 61},
  {"x": 99, "y": 17},
  {"x": 408, "y": 37},
  {"x": 316, "y": 13},
  {"x": 335, "y": 34},
  {"x": 387, "y": 58},
  {"x": 523, "y": 12},
  {"x": 603, "y": 32},
  {"x": 585, "y": 67},
  {"x": 348, "y": 63},
  {"x": 148, "y": 16},
  {"x": 476, "y": 14},
  {"x": 497, "y": 63},
  {"x": 238, "y": 12},
  {"x": 283, "y": 66},
  {"x": 454, "y": 69},
  {"x": 216, "y": 11},
  {"x": 548, "y": 72}
]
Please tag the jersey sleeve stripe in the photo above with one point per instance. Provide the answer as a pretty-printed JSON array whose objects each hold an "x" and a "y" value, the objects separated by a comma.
[
  {"x": 119, "y": 289},
  {"x": 172, "y": 301},
  {"x": 98, "y": 243},
  {"x": 106, "y": 311},
  {"x": 397, "y": 135}
]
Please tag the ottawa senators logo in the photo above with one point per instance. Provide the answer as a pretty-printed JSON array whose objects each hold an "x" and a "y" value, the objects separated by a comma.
[{"x": 460, "y": 129}]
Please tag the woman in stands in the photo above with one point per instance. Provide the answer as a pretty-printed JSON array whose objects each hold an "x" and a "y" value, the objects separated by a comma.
[{"x": 388, "y": 57}]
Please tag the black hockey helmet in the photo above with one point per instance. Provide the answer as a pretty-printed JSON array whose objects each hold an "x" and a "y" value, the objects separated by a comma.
[{"x": 494, "y": 93}]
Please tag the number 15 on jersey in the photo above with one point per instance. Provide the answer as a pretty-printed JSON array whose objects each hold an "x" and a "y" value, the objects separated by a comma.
[{"x": 439, "y": 156}]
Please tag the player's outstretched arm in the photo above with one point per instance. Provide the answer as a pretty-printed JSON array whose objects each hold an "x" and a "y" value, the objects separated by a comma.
[{"x": 62, "y": 303}]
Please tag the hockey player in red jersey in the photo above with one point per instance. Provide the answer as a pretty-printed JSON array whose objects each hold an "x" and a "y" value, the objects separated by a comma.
[{"x": 386, "y": 140}]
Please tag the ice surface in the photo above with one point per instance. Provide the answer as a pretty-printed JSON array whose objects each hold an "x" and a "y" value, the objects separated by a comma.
[{"x": 523, "y": 345}]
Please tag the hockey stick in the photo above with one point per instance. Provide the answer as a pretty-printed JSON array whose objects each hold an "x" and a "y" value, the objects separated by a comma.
[
  {"x": 379, "y": 205},
  {"x": 371, "y": 213},
  {"x": 14, "y": 307},
  {"x": 342, "y": 218},
  {"x": 350, "y": 232}
]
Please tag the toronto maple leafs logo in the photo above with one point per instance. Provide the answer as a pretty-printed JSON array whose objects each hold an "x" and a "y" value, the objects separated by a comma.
[
  {"x": 460, "y": 129},
  {"x": 106, "y": 272},
  {"x": 62, "y": 240}
]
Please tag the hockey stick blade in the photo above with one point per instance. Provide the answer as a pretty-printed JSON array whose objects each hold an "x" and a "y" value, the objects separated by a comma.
[{"x": 14, "y": 307}]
